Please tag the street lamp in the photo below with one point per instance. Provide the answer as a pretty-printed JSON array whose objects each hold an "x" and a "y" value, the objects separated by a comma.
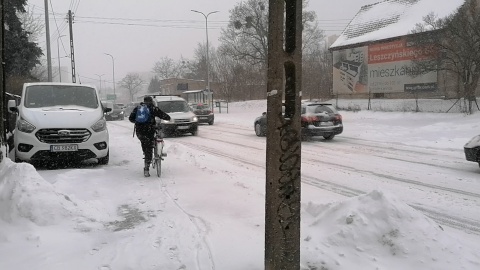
[
  {"x": 113, "y": 74},
  {"x": 58, "y": 55},
  {"x": 100, "y": 78},
  {"x": 208, "y": 63}
]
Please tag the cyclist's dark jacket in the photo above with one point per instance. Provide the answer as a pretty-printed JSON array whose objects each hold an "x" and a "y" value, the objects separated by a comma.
[
  {"x": 146, "y": 131},
  {"x": 150, "y": 125}
]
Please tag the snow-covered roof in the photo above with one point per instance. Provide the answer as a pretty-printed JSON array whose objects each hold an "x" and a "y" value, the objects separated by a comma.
[{"x": 392, "y": 18}]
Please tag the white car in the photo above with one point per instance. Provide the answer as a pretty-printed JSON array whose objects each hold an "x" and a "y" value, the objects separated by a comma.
[
  {"x": 183, "y": 119},
  {"x": 60, "y": 122},
  {"x": 472, "y": 149}
]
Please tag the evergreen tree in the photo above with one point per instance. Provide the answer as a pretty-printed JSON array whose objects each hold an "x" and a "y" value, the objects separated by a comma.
[
  {"x": 154, "y": 86},
  {"x": 21, "y": 55}
]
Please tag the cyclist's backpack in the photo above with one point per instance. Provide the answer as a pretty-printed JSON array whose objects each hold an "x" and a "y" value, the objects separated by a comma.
[{"x": 143, "y": 114}]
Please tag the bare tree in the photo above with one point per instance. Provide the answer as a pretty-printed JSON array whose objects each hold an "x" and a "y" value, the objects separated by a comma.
[
  {"x": 245, "y": 37},
  {"x": 166, "y": 68},
  {"x": 170, "y": 68},
  {"x": 455, "y": 43},
  {"x": 33, "y": 24},
  {"x": 245, "y": 42},
  {"x": 132, "y": 83}
]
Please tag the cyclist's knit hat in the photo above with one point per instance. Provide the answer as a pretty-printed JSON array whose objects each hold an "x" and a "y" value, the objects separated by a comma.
[{"x": 148, "y": 99}]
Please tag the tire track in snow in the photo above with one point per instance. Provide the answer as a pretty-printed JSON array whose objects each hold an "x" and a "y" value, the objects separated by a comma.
[
  {"x": 202, "y": 228},
  {"x": 379, "y": 148},
  {"x": 314, "y": 161},
  {"x": 466, "y": 225}
]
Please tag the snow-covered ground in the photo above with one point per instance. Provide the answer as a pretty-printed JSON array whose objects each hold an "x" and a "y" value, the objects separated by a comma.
[{"x": 394, "y": 191}]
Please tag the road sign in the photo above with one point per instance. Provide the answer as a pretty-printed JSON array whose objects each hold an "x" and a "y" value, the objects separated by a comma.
[{"x": 111, "y": 97}]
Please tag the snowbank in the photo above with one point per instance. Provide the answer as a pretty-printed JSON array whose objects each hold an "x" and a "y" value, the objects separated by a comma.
[
  {"x": 24, "y": 194},
  {"x": 378, "y": 229}
]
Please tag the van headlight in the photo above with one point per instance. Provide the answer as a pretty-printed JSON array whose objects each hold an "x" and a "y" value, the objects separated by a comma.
[
  {"x": 24, "y": 126},
  {"x": 194, "y": 119},
  {"x": 163, "y": 121},
  {"x": 100, "y": 125}
]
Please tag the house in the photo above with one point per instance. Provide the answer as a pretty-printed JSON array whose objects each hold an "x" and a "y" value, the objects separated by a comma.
[{"x": 374, "y": 53}]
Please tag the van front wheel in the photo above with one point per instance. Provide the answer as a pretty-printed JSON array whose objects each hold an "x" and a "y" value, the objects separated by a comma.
[{"x": 104, "y": 160}]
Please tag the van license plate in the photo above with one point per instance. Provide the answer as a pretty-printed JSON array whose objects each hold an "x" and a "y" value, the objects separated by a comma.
[
  {"x": 183, "y": 127},
  {"x": 64, "y": 148}
]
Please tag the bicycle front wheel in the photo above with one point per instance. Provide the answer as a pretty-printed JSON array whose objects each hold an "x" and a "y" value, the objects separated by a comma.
[{"x": 158, "y": 165}]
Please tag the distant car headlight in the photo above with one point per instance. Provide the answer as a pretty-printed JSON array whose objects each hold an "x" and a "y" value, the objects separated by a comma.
[
  {"x": 122, "y": 112},
  {"x": 194, "y": 119},
  {"x": 24, "y": 126},
  {"x": 100, "y": 125}
]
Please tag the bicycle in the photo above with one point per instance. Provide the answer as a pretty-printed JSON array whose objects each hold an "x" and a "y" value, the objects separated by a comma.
[{"x": 158, "y": 153}]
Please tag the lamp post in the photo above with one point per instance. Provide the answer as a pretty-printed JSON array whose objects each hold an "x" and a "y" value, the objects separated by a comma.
[
  {"x": 208, "y": 63},
  {"x": 100, "y": 78},
  {"x": 113, "y": 74},
  {"x": 58, "y": 55}
]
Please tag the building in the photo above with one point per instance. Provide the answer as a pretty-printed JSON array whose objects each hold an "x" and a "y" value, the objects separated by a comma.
[{"x": 373, "y": 55}]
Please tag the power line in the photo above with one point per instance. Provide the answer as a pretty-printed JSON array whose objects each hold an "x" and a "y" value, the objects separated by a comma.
[
  {"x": 56, "y": 24},
  {"x": 149, "y": 25}
]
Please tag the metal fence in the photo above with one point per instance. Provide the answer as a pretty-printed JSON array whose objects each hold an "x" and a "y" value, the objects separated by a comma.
[{"x": 408, "y": 105}]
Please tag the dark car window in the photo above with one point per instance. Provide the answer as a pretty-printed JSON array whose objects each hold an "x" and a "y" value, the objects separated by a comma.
[
  {"x": 173, "y": 106},
  {"x": 200, "y": 107},
  {"x": 318, "y": 109},
  {"x": 322, "y": 109}
]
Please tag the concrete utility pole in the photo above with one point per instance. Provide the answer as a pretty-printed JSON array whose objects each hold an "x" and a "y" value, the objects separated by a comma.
[
  {"x": 47, "y": 33},
  {"x": 100, "y": 79},
  {"x": 113, "y": 75},
  {"x": 72, "y": 54},
  {"x": 283, "y": 157},
  {"x": 3, "y": 110}
]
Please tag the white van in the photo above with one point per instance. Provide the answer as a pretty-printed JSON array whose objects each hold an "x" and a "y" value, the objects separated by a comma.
[{"x": 60, "y": 122}]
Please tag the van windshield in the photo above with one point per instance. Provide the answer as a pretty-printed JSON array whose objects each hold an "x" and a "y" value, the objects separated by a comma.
[
  {"x": 38, "y": 96},
  {"x": 173, "y": 106}
]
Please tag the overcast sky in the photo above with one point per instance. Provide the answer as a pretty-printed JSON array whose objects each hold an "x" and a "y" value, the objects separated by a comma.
[{"x": 139, "y": 33}]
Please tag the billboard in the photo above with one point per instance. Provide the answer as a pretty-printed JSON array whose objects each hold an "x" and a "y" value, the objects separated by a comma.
[{"x": 381, "y": 68}]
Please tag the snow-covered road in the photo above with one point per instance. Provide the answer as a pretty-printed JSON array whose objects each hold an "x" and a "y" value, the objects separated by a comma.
[{"x": 207, "y": 209}]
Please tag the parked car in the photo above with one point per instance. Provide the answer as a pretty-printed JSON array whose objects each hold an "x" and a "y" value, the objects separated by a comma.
[
  {"x": 472, "y": 150},
  {"x": 60, "y": 122},
  {"x": 204, "y": 113},
  {"x": 117, "y": 112},
  {"x": 183, "y": 119},
  {"x": 317, "y": 119}
]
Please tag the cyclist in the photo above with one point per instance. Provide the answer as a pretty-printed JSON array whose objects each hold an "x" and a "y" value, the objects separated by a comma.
[{"x": 145, "y": 130}]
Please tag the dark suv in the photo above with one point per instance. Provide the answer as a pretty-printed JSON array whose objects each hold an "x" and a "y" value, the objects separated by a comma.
[
  {"x": 203, "y": 112},
  {"x": 317, "y": 119}
]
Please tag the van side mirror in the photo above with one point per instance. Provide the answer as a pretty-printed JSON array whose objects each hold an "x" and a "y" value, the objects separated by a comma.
[
  {"x": 107, "y": 110},
  {"x": 12, "y": 106}
]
